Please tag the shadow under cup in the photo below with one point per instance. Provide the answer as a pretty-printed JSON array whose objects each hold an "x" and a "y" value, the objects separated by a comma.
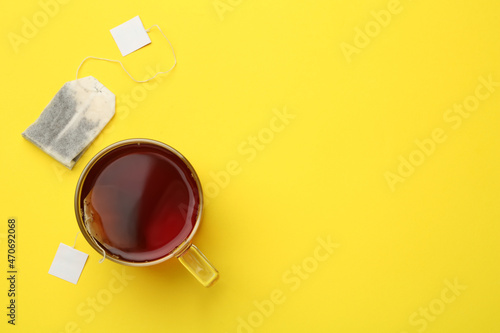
[{"x": 139, "y": 202}]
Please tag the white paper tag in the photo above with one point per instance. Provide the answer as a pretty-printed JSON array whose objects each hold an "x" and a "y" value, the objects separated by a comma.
[
  {"x": 68, "y": 263},
  {"x": 130, "y": 36}
]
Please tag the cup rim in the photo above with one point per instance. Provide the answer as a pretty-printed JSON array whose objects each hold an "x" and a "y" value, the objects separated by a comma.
[{"x": 179, "y": 249}]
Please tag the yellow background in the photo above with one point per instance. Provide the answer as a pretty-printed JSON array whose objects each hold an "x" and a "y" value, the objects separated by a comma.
[{"x": 323, "y": 175}]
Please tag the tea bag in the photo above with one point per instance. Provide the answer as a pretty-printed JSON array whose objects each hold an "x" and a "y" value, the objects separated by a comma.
[
  {"x": 81, "y": 109},
  {"x": 93, "y": 221},
  {"x": 72, "y": 120}
]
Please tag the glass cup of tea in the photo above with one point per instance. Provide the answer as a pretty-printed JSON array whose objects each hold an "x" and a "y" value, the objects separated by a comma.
[{"x": 139, "y": 202}]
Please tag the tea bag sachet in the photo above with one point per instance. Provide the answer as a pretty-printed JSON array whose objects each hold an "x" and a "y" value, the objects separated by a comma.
[{"x": 72, "y": 120}]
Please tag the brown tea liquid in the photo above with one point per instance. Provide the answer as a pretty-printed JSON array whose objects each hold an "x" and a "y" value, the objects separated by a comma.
[{"x": 140, "y": 202}]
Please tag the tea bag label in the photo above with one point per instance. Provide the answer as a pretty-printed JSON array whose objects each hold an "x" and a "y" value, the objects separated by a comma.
[
  {"x": 130, "y": 36},
  {"x": 68, "y": 263}
]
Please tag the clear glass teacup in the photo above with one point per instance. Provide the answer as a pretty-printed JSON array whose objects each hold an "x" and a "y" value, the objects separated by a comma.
[{"x": 139, "y": 202}]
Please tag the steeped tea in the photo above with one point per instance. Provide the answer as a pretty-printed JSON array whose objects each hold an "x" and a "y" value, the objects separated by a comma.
[{"x": 140, "y": 201}]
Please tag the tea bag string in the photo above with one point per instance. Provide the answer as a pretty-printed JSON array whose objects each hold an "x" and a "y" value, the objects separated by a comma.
[
  {"x": 123, "y": 67},
  {"x": 103, "y": 252},
  {"x": 74, "y": 244}
]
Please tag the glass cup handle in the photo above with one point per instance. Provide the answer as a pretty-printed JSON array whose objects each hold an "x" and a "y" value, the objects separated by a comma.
[{"x": 199, "y": 266}]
